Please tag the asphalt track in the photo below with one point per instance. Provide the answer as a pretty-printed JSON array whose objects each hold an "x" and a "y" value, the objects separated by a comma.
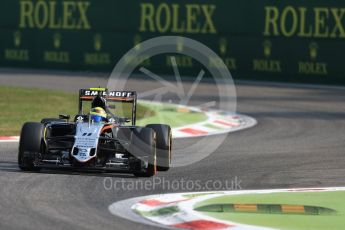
[{"x": 298, "y": 142}]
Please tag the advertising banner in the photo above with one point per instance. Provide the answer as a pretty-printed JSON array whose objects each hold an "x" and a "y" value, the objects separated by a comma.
[{"x": 297, "y": 41}]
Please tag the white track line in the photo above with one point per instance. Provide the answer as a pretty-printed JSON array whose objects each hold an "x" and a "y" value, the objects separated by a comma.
[{"x": 9, "y": 139}]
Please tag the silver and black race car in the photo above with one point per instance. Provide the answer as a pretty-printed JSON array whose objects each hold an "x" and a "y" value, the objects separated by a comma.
[{"x": 111, "y": 145}]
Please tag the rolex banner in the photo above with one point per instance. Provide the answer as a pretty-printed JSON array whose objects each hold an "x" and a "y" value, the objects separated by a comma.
[{"x": 297, "y": 41}]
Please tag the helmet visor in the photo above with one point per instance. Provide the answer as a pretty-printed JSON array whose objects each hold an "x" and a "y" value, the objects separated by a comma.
[{"x": 96, "y": 118}]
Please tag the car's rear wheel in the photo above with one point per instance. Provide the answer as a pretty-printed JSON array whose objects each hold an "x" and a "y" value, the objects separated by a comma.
[
  {"x": 30, "y": 145},
  {"x": 143, "y": 147},
  {"x": 163, "y": 143}
]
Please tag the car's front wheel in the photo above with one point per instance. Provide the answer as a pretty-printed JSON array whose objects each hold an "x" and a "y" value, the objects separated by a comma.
[{"x": 30, "y": 144}]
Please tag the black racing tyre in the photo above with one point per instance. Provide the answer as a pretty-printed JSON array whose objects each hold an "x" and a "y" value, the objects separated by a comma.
[
  {"x": 48, "y": 120},
  {"x": 143, "y": 144},
  {"x": 163, "y": 143},
  {"x": 30, "y": 143}
]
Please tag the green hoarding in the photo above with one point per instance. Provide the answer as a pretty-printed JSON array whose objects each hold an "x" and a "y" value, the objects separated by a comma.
[{"x": 270, "y": 40}]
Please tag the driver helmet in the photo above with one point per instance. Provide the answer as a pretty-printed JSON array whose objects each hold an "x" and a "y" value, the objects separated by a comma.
[{"x": 98, "y": 114}]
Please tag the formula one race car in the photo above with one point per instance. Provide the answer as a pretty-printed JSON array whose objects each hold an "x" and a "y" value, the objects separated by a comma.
[{"x": 98, "y": 139}]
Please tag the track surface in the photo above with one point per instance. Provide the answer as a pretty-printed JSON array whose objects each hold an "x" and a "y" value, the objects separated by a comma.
[{"x": 298, "y": 142}]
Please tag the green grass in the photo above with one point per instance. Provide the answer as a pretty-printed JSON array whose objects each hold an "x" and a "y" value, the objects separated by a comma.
[
  {"x": 19, "y": 105},
  {"x": 159, "y": 212},
  {"x": 166, "y": 114},
  {"x": 333, "y": 200}
]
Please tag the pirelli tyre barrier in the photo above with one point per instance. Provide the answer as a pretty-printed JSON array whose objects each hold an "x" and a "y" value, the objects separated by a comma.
[{"x": 292, "y": 41}]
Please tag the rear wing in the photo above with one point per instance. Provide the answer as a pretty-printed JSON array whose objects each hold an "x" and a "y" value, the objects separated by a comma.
[{"x": 116, "y": 96}]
